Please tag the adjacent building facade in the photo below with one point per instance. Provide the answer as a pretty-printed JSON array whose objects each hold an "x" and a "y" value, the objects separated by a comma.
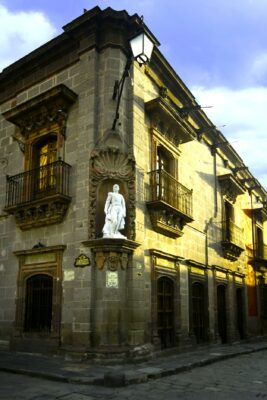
[{"x": 193, "y": 268}]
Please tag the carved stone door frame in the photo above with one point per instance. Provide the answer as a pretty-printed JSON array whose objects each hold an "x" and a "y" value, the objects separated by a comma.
[{"x": 36, "y": 261}]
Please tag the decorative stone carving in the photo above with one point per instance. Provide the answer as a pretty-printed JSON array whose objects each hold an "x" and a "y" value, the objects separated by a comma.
[
  {"x": 112, "y": 163},
  {"x": 47, "y": 108},
  {"x": 112, "y": 254},
  {"x": 167, "y": 222},
  {"x": 230, "y": 187},
  {"x": 165, "y": 117},
  {"x": 48, "y": 212},
  {"x": 231, "y": 251}
]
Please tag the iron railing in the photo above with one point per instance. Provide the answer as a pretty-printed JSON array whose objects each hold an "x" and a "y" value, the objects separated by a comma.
[
  {"x": 164, "y": 187},
  {"x": 232, "y": 233},
  {"x": 38, "y": 183},
  {"x": 261, "y": 251}
]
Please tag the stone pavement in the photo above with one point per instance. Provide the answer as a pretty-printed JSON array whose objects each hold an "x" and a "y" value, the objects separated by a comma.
[{"x": 62, "y": 370}]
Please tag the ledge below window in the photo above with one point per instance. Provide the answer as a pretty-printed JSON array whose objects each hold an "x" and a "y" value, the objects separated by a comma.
[
  {"x": 231, "y": 251},
  {"x": 46, "y": 211}
]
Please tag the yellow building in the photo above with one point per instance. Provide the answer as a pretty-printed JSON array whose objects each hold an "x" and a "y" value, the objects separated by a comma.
[{"x": 190, "y": 266}]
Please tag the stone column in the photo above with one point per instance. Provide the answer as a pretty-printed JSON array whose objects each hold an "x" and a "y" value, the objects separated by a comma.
[
  {"x": 185, "y": 311},
  {"x": 211, "y": 305},
  {"x": 109, "y": 302}
]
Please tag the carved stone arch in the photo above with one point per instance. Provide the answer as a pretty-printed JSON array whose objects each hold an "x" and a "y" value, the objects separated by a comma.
[{"x": 111, "y": 164}]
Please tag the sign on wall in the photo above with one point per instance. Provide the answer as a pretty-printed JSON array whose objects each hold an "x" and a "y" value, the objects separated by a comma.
[
  {"x": 82, "y": 261},
  {"x": 112, "y": 279}
]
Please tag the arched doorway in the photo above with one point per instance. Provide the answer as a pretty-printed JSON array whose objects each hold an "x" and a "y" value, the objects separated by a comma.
[
  {"x": 240, "y": 313},
  {"x": 221, "y": 313},
  {"x": 198, "y": 312},
  {"x": 38, "y": 303},
  {"x": 165, "y": 311}
]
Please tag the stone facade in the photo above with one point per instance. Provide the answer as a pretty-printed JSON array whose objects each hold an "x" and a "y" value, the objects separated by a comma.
[{"x": 193, "y": 268}]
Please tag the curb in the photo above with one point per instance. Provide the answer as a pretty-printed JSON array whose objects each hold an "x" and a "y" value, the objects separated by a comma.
[{"x": 120, "y": 379}]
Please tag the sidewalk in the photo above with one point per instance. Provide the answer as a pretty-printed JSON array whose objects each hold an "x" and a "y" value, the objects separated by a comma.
[{"x": 58, "y": 369}]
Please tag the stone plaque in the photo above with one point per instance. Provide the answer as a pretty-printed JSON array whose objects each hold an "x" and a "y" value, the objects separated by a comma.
[
  {"x": 82, "y": 261},
  {"x": 69, "y": 275},
  {"x": 40, "y": 258},
  {"x": 112, "y": 279}
]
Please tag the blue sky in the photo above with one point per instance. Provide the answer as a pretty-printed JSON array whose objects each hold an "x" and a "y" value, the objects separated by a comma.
[{"x": 217, "y": 47}]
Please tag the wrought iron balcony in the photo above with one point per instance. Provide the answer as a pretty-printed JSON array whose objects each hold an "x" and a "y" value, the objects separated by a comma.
[
  {"x": 169, "y": 203},
  {"x": 232, "y": 240},
  {"x": 39, "y": 196}
]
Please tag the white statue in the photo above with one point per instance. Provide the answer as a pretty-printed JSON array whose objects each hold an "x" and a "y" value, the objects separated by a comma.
[{"x": 115, "y": 211}]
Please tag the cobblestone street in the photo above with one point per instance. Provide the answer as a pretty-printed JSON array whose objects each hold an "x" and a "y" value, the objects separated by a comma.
[{"x": 243, "y": 377}]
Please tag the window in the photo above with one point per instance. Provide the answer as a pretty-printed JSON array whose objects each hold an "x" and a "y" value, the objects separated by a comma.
[
  {"x": 39, "y": 195},
  {"x": 45, "y": 153},
  {"x": 259, "y": 242},
  {"x": 228, "y": 220},
  {"x": 164, "y": 175}
]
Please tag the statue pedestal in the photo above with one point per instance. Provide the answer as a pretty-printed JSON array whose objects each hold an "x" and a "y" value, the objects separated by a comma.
[{"x": 112, "y": 257}]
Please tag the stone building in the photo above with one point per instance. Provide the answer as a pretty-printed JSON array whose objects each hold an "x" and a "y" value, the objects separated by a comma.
[{"x": 193, "y": 266}]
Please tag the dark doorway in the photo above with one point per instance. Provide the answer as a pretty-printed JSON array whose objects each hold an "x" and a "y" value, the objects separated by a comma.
[
  {"x": 221, "y": 310},
  {"x": 165, "y": 310},
  {"x": 38, "y": 307},
  {"x": 240, "y": 313},
  {"x": 198, "y": 312}
]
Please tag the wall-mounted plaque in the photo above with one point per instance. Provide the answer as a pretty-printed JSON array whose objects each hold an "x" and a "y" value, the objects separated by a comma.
[
  {"x": 82, "y": 261},
  {"x": 112, "y": 279}
]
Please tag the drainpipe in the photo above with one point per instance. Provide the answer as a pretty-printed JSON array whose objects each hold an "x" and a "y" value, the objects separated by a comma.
[
  {"x": 253, "y": 233},
  {"x": 258, "y": 305}
]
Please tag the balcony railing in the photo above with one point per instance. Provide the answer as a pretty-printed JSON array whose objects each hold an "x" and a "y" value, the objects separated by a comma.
[
  {"x": 39, "y": 183},
  {"x": 233, "y": 233},
  {"x": 261, "y": 251},
  {"x": 164, "y": 187}
]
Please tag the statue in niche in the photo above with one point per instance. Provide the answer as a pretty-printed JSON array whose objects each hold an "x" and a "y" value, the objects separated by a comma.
[{"x": 115, "y": 211}]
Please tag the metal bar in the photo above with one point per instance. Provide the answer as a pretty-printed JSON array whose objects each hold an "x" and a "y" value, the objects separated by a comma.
[
  {"x": 38, "y": 183},
  {"x": 166, "y": 188}
]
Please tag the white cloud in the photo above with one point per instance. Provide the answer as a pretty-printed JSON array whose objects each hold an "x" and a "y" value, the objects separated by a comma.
[
  {"x": 22, "y": 32},
  {"x": 244, "y": 114}
]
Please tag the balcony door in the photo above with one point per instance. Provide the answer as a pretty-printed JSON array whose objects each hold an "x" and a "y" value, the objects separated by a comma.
[
  {"x": 229, "y": 219},
  {"x": 45, "y": 154},
  {"x": 163, "y": 177}
]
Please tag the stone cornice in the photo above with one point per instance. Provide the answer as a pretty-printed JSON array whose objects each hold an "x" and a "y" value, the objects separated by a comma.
[
  {"x": 231, "y": 188},
  {"x": 161, "y": 110},
  {"x": 40, "y": 250},
  {"x": 51, "y": 105},
  {"x": 94, "y": 29}
]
